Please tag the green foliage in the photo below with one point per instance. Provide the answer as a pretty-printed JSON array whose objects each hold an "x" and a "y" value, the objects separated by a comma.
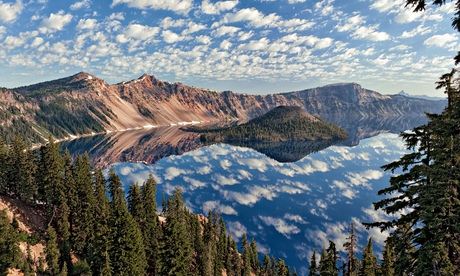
[
  {"x": 328, "y": 262},
  {"x": 9, "y": 247},
  {"x": 278, "y": 125},
  {"x": 369, "y": 263},
  {"x": 52, "y": 252},
  {"x": 127, "y": 253},
  {"x": 313, "y": 267}
]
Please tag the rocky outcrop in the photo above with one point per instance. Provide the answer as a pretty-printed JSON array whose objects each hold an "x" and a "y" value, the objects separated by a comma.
[{"x": 83, "y": 104}]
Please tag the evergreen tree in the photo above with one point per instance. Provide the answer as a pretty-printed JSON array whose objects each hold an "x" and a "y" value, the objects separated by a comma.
[
  {"x": 254, "y": 256},
  {"x": 83, "y": 220},
  {"x": 135, "y": 204},
  {"x": 52, "y": 252},
  {"x": 350, "y": 247},
  {"x": 313, "y": 268},
  {"x": 50, "y": 177},
  {"x": 176, "y": 249},
  {"x": 127, "y": 253},
  {"x": 150, "y": 229},
  {"x": 99, "y": 248},
  {"x": 388, "y": 264},
  {"x": 369, "y": 263},
  {"x": 21, "y": 171},
  {"x": 246, "y": 256},
  {"x": 281, "y": 268},
  {"x": 63, "y": 233},
  {"x": 9, "y": 244},
  {"x": 222, "y": 248},
  {"x": 328, "y": 262},
  {"x": 4, "y": 167}
]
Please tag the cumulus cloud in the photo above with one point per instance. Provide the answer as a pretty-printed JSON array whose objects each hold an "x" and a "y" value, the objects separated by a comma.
[
  {"x": 236, "y": 229},
  {"x": 280, "y": 225},
  {"x": 442, "y": 41},
  {"x": 87, "y": 24},
  {"x": 173, "y": 172},
  {"x": 10, "y": 11},
  {"x": 55, "y": 22},
  {"x": 224, "y": 180},
  {"x": 356, "y": 24},
  {"x": 216, "y": 8},
  {"x": 178, "y": 6},
  {"x": 215, "y": 205},
  {"x": 85, "y": 4},
  {"x": 138, "y": 32},
  {"x": 171, "y": 37}
]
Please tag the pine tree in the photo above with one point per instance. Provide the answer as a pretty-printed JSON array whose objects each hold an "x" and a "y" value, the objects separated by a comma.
[
  {"x": 135, "y": 204},
  {"x": 222, "y": 248},
  {"x": 83, "y": 220},
  {"x": 9, "y": 244},
  {"x": 328, "y": 262},
  {"x": 4, "y": 167},
  {"x": 254, "y": 256},
  {"x": 350, "y": 247},
  {"x": 245, "y": 248},
  {"x": 150, "y": 229},
  {"x": 21, "y": 174},
  {"x": 99, "y": 248},
  {"x": 127, "y": 253},
  {"x": 388, "y": 264},
  {"x": 176, "y": 248},
  {"x": 63, "y": 233},
  {"x": 50, "y": 177},
  {"x": 369, "y": 263},
  {"x": 313, "y": 268},
  {"x": 281, "y": 268},
  {"x": 52, "y": 252}
]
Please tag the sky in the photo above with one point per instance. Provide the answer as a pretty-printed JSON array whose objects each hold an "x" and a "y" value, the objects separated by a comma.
[{"x": 250, "y": 46}]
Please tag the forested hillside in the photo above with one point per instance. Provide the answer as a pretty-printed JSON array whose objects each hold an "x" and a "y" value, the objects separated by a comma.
[{"x": 281, "y": 124}]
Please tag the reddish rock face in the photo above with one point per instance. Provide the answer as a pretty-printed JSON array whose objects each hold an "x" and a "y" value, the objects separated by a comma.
[{"x": 83, "y": 103}]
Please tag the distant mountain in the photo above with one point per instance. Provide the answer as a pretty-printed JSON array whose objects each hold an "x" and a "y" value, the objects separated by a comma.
[
  {"x": 430, "y": 98},
  {"x": 84, "y": 104},
  {"x": 281, "y": 124}
]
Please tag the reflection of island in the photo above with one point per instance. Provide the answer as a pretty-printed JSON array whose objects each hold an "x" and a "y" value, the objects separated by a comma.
[{"x": 151, "y": 145}]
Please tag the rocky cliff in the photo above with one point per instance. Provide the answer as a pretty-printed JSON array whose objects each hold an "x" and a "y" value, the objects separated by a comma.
[{"x": 83, "y": 104}]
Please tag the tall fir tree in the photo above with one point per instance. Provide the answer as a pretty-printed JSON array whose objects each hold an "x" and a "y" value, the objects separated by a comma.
[
  {"x": 126, "y": 252},
  {"x": 246, "y": 251},
  {"x": 369, "y": 263},
  {"x": 313, "y": 267},
  {"x": 50, "y": 177},
  {"x": 388, "y": 263},
  {"x": 83, "y": 220},
  {"x": 21, "y": 174},
  {"x": 135, "y": 204},
  {"x": 351, "y": 265},
  {"x": 9, "y": 245},
  {"x": 52, "y": 252},
  {"x": 98, "y": 256},
  {"x": 176, "y": 248},
  {"x": 150, "y": 229}
]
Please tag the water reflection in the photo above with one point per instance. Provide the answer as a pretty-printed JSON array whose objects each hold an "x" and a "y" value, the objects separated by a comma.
[
  {"x": 291, "y": 197},
  {"x": 149, "y": 146}
]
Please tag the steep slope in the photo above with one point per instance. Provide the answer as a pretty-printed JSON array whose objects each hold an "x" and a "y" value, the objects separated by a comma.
[{"x": 83, "y": 104}]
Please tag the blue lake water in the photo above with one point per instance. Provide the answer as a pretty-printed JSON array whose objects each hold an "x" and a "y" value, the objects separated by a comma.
[{"x": 290, "y": 209}]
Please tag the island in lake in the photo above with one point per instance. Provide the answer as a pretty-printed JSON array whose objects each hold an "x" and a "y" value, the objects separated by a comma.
[{"x": 281, "y": 124}]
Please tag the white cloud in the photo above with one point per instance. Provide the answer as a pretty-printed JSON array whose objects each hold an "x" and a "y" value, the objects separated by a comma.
[
  {"x": 215, "y": 205},
  {"x": 296, "y": 1},
  {"x": 37, "y": 42},
  {"x": 225, "y": 30},
  {"x": 10, "y": 11},
  {"x": 224, "y": 180},
  {"x": 236, "y": 229},
  {"x": 178, "y": 6},
  {"x": 280, "y": 225},
  {"x": 173, "y": 172},
  {"x": 356, "y": 24},
  {"x": 171, "y": 37},
  {"x": 84, "y": 4},
  {"x": 442, "y": 41},
  {"x": 55, "y": 22},
  {"x": 419, "y": 30},
  {"x": 87, "y": 24},
  {"x": 138, "y": 32},
  {"x": 218, "y": 7}
]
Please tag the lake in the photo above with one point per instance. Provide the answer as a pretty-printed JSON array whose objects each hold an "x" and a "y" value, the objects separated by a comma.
[{"x": 291, "y": 202}]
